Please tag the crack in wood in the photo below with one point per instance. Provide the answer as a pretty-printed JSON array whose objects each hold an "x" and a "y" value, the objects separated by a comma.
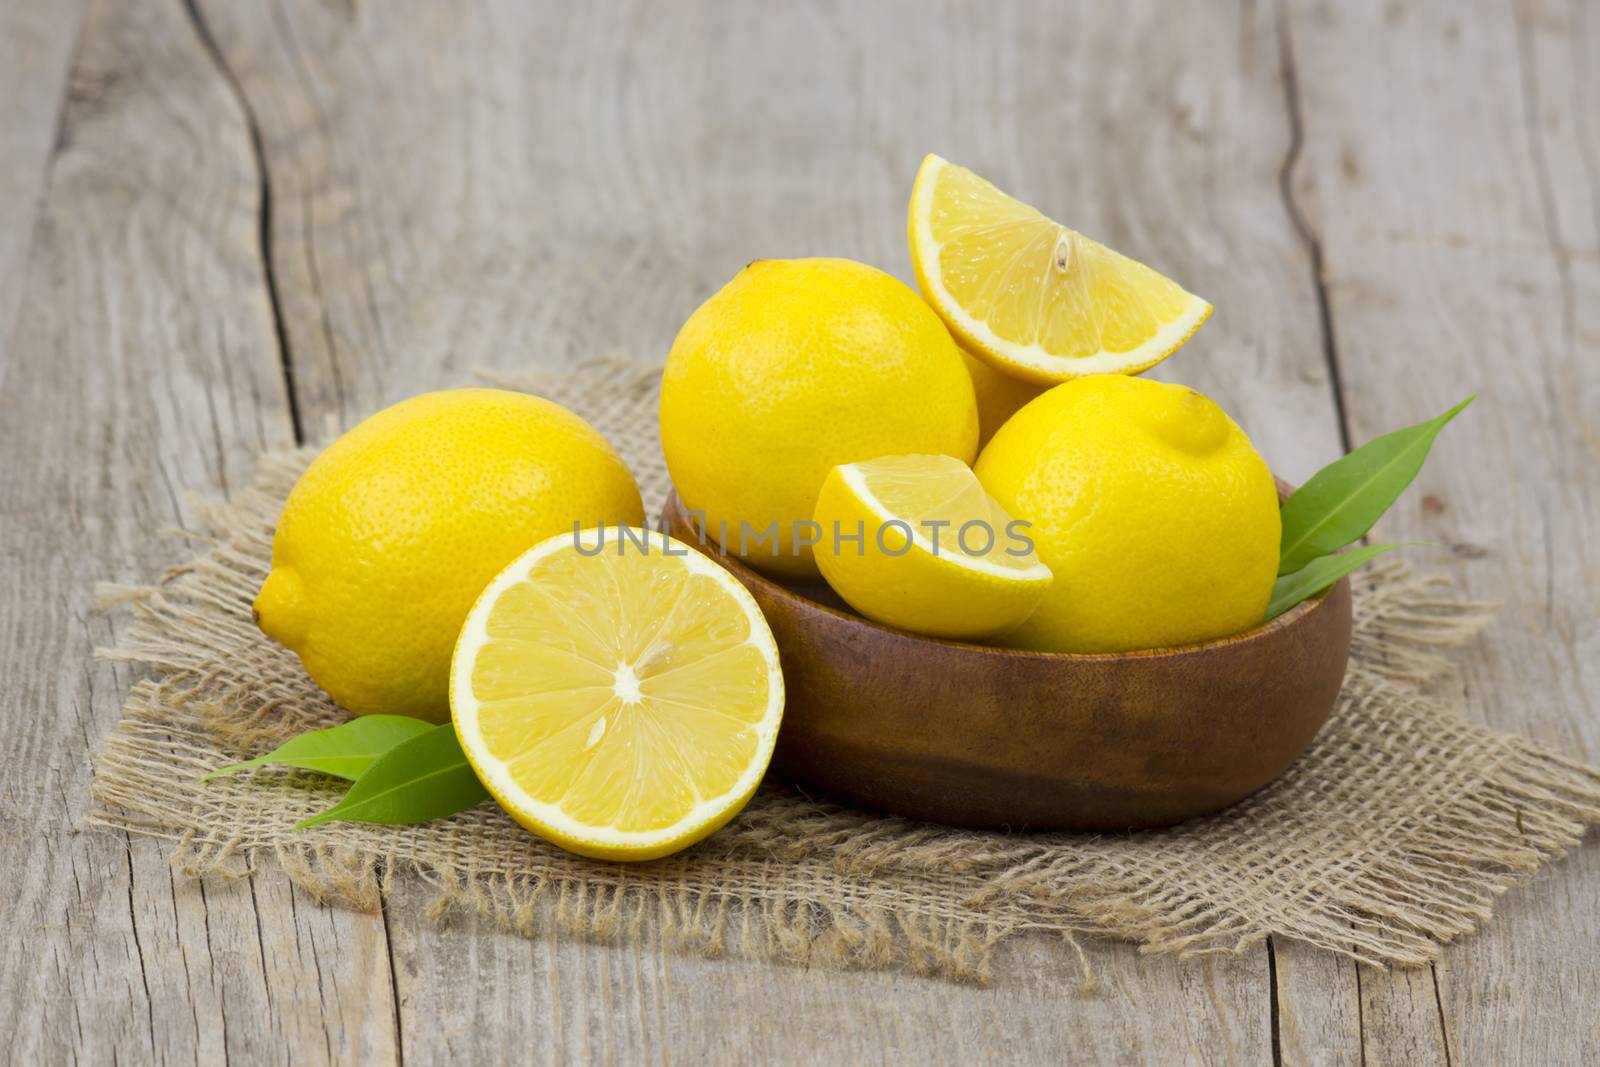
[
  {"x": 1274, "y": 1022},
  {"x": 394, "y": 980},
  {"x": 1313, "y": 244},
  {"x": 1361, "y": 1015},
  {"x": 222, "y": 1000},
  {"x": 1302, "y": 225},
  {"x": 264, "y": 181},
  {"x": 302, "y": 74},
  {"x": 138, "y": 945},
  {"x": 1438, "y": 1002}
]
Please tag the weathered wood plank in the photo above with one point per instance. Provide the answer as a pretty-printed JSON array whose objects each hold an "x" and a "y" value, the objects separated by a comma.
[
  {"x": 36, "y": 43},
  {"x": 141, "y": 367},
  {"x": 1450, "y": 173},
  {"x": 1454, "y": 210},
  {"x": 1319, "y": 1007},
  {"x": 554, "y": 1000},
  {"x": 477, "y": 209},
  {"x": 587, "y": 200}
]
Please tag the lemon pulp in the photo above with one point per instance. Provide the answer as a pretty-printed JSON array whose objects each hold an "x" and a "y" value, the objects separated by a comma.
[
  {"x": 1032, "y": 296},
  {"x": 622, "y": 704},
  {"x": 933, "y": 552}
]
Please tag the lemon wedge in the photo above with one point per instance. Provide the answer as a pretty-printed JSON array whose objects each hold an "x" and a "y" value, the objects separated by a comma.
[
  {"x": 617, "y": 692},
  {"x": 915, "y": 542},
  {"x": 1036, "y": 299}
]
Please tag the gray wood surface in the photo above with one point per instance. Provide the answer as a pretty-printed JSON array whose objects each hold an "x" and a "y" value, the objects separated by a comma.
[
  {"x": 234, "y": 224},
  {"x": 1455, "y": 194},
  {"x": 140, "y": 367},
  {"x": 36, "y": 43}
]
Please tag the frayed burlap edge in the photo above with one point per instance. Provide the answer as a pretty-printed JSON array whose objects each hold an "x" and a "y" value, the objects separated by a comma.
[{"x": 1393, "y": 835}]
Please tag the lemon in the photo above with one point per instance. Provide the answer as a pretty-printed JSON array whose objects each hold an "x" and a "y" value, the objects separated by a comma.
[
  {"x": 1153, "y": 510},
  {"x": 999, "y": 395},
  {"x": 395, "y": 529},
  {"x": 617, "y": 692},
  {"x": 793, "y": 367},
  {"x": 1031, "y": 296},
  {"x": 915, "y": 542}
]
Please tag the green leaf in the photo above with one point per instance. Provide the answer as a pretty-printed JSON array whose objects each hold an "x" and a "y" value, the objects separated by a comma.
[
  {"x": 1340, "y": 502},
  {"x": 1318, "y": 575},
  {"x": 344, "y": 751},
  {"x": 427, "y": 777}
]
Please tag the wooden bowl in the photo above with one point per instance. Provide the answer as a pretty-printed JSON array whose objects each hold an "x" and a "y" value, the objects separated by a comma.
[{"x": 971, "y": 735}]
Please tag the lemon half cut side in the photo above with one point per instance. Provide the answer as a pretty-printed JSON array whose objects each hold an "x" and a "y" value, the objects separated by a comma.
[
  {"x": 915, "y": 542},
  {"x": 620, "y": 701},
  {"x": 1036, "y": 299}
]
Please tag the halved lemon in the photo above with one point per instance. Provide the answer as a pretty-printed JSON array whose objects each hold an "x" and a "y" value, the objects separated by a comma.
[
  {"x": 1033, "y": 297},
  {"x": 915, "y": 542},
  {"x": 617, "y": 692}
]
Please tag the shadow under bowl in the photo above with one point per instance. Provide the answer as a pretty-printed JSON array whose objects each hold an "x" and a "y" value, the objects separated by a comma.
[{"x": 979, "y": 736}]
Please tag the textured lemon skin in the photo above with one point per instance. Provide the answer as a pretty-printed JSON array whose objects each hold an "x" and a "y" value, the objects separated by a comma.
[
  {"x": 394, "y": 530},
  {"x": 796, "y": 366},
  {"x": 910, "y": 588},
  {"x": 1150, "y": 506},
  {"x": 1000, "y": 396}
]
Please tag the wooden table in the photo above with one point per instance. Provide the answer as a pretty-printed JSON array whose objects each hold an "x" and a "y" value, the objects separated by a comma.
[{"x": 225, "y": 226}]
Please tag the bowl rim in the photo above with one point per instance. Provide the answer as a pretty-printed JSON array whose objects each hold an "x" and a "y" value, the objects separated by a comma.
[{"x": 1295, "y": 615}]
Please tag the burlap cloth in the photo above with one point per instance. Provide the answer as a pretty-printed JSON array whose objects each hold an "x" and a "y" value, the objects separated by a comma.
[{"x": 1394, "y": 834}]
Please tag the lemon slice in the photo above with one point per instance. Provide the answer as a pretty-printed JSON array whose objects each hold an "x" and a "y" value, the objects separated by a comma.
[
  {"x": 915, "y": 542},
  {"x": 617, "y": 692},
  {"x": 1033, "y": 297}
]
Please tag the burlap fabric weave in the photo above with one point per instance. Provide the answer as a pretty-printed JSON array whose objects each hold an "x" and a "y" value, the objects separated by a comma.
[{"x": 1392, "y": 835}]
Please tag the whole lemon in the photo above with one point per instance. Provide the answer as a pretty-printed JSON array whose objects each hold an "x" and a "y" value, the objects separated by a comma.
[
  {"x": 1153, "y": 510},
  {"x": 393, "y": 531},
  {"x": 792, "y": 368},
  {"x": 1000, "y": 396}
]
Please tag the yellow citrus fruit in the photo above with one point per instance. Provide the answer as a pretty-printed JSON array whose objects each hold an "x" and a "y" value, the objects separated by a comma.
[
  {"x": 915, "y": 542},
  {"x": 793, "y": 367},
  {"x": 999, "y": 395},
  {"x": 1153, "y": 510},
  {"x": 395, "y": 529},
  {"x": 1034, "y": 298},
  {"x": 617, "y": 692}
]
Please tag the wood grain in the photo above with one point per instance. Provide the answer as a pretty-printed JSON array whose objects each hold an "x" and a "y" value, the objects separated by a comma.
[
  {"x": 36, "y": 45},
  {"x": 378, "y": 199},
  {"x": 653, "y": 152},
  {"x": 556, "y": 1000},
  {"x": 1455, "y": 263},
  {"x": 141, "y": 368}
]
